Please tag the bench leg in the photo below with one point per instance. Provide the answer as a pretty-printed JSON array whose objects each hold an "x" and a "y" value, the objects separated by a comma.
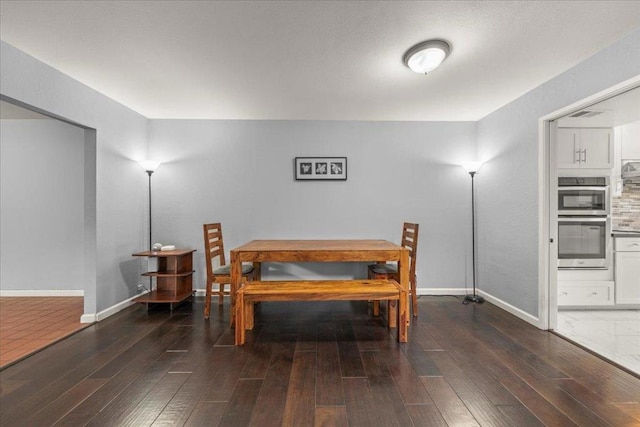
[
  {"x": 392, "y": 313},
  {"x": 249, "y": 308},
  {"x": 240, "y": 316}
]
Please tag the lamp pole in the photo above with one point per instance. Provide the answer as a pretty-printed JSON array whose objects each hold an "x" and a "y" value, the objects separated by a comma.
[
  {"x": 473, "y": 169},
  {"x": 150, "y": 172},
  {"x": 150, "y": 166}
]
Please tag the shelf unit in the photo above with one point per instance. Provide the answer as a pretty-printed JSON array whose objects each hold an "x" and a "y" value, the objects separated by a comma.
[{"x": 174, "y": 282}]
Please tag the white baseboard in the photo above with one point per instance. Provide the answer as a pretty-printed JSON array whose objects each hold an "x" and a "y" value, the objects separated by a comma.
[
  {"x": 493, "y": 300},
  {"x": 441, "y": 291},
  {"x": 97, "y": 317},
  {"x": 42, "y": 293},
  {"x": 510, "y": 309}
]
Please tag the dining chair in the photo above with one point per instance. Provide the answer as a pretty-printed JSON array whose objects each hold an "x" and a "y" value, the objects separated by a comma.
[
  {"x": 218, "y": 271},
  {"x": 383, "y": 270}
]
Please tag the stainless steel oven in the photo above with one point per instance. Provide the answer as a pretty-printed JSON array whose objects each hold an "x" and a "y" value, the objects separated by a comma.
[
  {"x": 584, "y": 242},
  {"x": 583, "y": 195}
]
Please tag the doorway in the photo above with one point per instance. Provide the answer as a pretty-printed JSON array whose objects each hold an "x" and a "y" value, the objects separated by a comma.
[
  {"x": 48, "y": 206},
  {"x": 599, "y": 320}
]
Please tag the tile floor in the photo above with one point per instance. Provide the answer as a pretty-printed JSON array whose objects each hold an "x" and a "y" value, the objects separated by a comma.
[
  {"x": 614, "y": 334},
  {"x": 28, "y": 324}
]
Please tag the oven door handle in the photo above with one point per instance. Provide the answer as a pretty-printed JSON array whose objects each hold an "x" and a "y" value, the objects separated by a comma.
[
  {"x": 573, "y": 187},
  {"x": 581, "y": 219}
]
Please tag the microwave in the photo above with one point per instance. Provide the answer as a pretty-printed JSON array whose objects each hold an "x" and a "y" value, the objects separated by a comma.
[{"x": 583, "y": 195}]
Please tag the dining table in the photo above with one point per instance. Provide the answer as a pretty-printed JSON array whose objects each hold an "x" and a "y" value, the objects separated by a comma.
[{"x": 329, "y": 250}]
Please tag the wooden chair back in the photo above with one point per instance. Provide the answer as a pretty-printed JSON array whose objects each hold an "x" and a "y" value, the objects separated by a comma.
[
  {"x": 213, "y": 245},
  {"x": 410, "y": 242}
]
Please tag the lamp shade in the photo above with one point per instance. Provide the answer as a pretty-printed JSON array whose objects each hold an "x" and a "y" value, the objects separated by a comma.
[
  {"x": 472, "y": 167},
  {"x": 149, "y": 165},
  {"x": 426, "y": 56}
]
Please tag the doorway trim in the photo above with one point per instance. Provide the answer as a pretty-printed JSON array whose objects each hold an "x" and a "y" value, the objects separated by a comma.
[
  {"x": 547, "y": 209},
  {"x": 90, "y": 205}
]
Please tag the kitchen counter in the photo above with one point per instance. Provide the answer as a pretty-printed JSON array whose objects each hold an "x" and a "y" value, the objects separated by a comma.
[{"x": 625, "y": 233}]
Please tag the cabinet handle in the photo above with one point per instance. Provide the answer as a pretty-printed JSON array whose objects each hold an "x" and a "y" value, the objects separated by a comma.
[
  {"x": 577, "y": 158},
  {"x": 594, "y": 293},
  {"x": 635, "y": 244},
  {"x": 585, "y": 155},
  {"x": 565, "y": 293}
]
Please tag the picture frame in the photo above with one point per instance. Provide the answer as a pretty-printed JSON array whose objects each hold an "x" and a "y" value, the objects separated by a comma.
[{"x": 320, "y": 168}]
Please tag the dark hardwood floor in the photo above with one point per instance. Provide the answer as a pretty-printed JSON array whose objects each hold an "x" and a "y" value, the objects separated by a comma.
[{"x": 326, "y": 363}]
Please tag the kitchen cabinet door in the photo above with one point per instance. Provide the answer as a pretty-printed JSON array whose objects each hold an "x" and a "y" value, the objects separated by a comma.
[
  {"x": 584, "y": 148},
  {"x": 630, "y": 137},
  {"x": 567, "y": 148},
  {"x": 627, "y": 277},
  {"x": 597, "y": 148}
]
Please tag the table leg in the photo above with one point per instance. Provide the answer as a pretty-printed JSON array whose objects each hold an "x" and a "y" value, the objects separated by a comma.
[
  {"x": 236, "y": 277},
  {"x": 240, "y": 332}
]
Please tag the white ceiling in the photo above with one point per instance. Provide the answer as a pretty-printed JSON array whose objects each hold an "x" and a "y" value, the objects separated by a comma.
[{"x": 333, "y": 60}]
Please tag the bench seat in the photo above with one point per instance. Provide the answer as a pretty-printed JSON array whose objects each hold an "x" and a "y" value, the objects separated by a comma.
[{"x": 321, "y": 290}]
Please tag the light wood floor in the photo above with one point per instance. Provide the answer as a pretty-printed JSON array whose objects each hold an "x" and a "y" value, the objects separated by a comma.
[
  {"x": 28, "y": 324},
  {"x": 317, "y": 364}
]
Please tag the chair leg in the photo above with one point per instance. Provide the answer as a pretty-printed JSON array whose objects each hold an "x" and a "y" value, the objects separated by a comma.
[
  {"x": 375, "y": 305},
  {"x": 221, "y": 294},
  {"x": 414, "y": 300},
  {"x": 207, "y": 300}
]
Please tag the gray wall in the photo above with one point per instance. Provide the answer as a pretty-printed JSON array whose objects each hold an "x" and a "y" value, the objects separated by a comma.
[
  {"x": 508, "y": 217},
  {"x": 241, "y": 174},
  {"x": 41, "y": 205},
  {"x": 120, "y": 188}
]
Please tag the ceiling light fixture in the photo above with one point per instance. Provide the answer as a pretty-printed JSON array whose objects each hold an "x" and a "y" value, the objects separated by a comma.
[{"x": 426, "y": 56}]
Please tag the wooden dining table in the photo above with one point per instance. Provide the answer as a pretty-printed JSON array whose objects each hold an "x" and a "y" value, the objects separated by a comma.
[{"x": 366, "y": 250}]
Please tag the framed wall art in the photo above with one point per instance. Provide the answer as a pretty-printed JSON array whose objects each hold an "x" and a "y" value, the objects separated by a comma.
[{"x": 320, "y": 168}]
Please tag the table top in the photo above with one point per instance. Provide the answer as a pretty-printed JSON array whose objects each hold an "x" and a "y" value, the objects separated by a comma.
[{"x": 318, "y": 250}]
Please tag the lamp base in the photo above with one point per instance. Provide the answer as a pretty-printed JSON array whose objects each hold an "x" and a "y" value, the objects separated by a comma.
[{"x": 474, "y": 298}]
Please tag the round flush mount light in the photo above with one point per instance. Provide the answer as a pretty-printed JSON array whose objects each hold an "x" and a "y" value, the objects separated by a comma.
[{"x": 426, "y": 56}]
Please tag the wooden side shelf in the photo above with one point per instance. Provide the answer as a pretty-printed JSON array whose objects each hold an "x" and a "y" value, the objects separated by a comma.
[
  {"x": 161, "y": 274},
  {"x": 173, "y": 278}
]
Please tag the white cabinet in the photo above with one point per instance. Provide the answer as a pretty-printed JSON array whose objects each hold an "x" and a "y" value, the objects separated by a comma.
[
  {"x": 584, "y": 148},
  {"x": 630, "y": 138},
  {"x": 627, "y": 259},
  {"x": 583, "y": 293}
]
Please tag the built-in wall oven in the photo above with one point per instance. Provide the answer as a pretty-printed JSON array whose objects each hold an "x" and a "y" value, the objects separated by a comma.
[
  {"x": 584, "y": 242},
  {"x": 584, "y": 223}
]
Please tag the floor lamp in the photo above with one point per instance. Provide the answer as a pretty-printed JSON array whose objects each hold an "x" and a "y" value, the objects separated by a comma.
[
  {"x": 472, "y": 168},
  {"x": 150, "y": 166}
]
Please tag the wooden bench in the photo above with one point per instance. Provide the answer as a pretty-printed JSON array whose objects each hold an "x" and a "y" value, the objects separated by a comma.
[{"x": 321, "y": 290}]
